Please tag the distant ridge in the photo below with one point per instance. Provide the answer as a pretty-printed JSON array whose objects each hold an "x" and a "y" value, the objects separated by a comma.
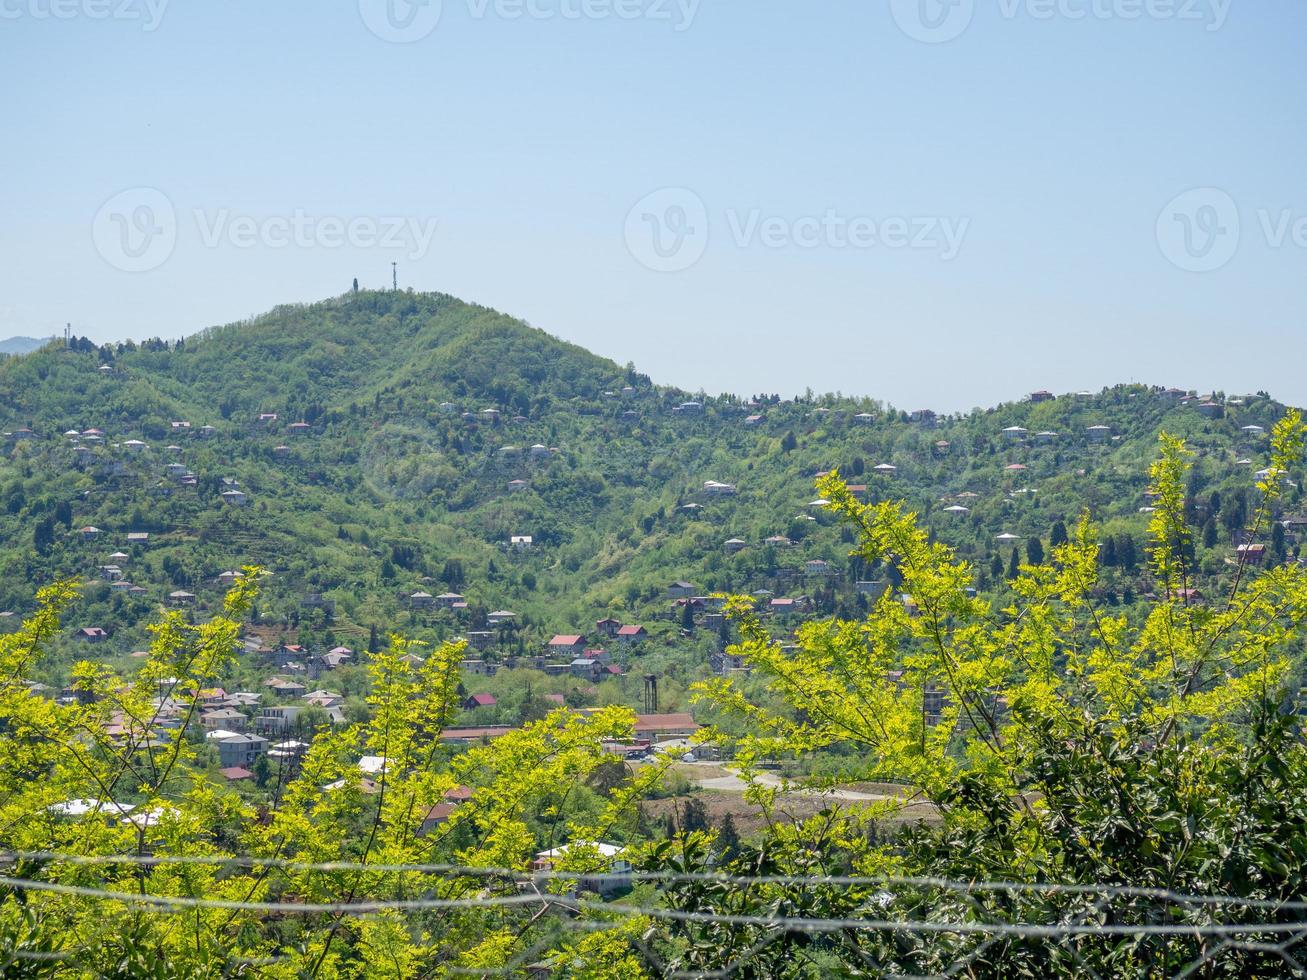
[{"x": 22, "y": 345}]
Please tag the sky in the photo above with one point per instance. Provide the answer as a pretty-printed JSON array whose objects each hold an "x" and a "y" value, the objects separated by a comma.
[{"x": 937, "y": 203}]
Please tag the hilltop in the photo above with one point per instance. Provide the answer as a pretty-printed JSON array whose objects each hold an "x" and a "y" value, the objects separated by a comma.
[
  {"x": 380, "y": 445},
  {"x": 22, "y": 345}
]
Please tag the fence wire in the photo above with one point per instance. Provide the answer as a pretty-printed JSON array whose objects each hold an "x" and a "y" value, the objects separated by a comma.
[{"x": 894, "y": 927}]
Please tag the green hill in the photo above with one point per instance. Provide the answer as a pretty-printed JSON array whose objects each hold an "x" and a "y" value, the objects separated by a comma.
[
  {"x": 400, "y": 461},
  {"x": 22, "y": 345}
]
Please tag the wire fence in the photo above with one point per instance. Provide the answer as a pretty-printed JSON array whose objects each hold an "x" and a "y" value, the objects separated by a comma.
[{"x": 896, "y": 927}]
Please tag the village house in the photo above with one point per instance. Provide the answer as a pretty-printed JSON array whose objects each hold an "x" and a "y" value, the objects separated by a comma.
[
  {"x": 1253, "y": 554},
  {"x": 480, "y": 639},
  {"x": 1041, "y": 396},
  {"x": 608, "y": 626},
  {"x": 609, "y": 871},
  {"x": 587, "y": 668},
  {"x": 734, "y": 546},
  {"x": 567, "y": 643},
  {"x": 285, "y": 688},
  {"x": 632, "y": 634},
  {"x": 421, "y": 600},
  {"x": 241, "y": 750},
  {"x": 714, "y": 489},
  {"x": 681, "y": 590},
  {"x": 224, "y": 719},
  {"x": 92, "y": 634},
  {"x": 278, "y": 718},
  {"x": 501, "y": 617}
]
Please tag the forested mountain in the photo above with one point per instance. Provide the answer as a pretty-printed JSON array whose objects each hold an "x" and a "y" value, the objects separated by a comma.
[
  {"x": 385, "y": 443},
  {"x": 21, "y": 345}
]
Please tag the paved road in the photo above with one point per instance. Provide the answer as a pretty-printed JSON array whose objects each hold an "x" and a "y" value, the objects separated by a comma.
[{"x": 734, "y": 784}]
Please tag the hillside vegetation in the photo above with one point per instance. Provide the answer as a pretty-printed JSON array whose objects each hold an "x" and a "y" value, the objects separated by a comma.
[{"x": 398, "y": 480}]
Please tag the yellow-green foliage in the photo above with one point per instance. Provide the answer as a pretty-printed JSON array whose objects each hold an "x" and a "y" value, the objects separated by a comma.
[
  {"x": 1051, "y": 662},
  {"x": 54, "y": 753}
]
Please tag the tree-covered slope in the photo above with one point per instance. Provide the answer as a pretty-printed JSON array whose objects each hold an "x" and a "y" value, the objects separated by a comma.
[{"x": 401, "y": 460}]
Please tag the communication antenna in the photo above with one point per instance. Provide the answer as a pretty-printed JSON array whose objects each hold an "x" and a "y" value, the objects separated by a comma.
[
  {"x": 394, "y": 276},
  {"x": 68, "y": 335}
]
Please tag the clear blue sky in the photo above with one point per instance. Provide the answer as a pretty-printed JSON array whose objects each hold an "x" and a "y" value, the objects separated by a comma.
[{"x": 1050, "y": 137}]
